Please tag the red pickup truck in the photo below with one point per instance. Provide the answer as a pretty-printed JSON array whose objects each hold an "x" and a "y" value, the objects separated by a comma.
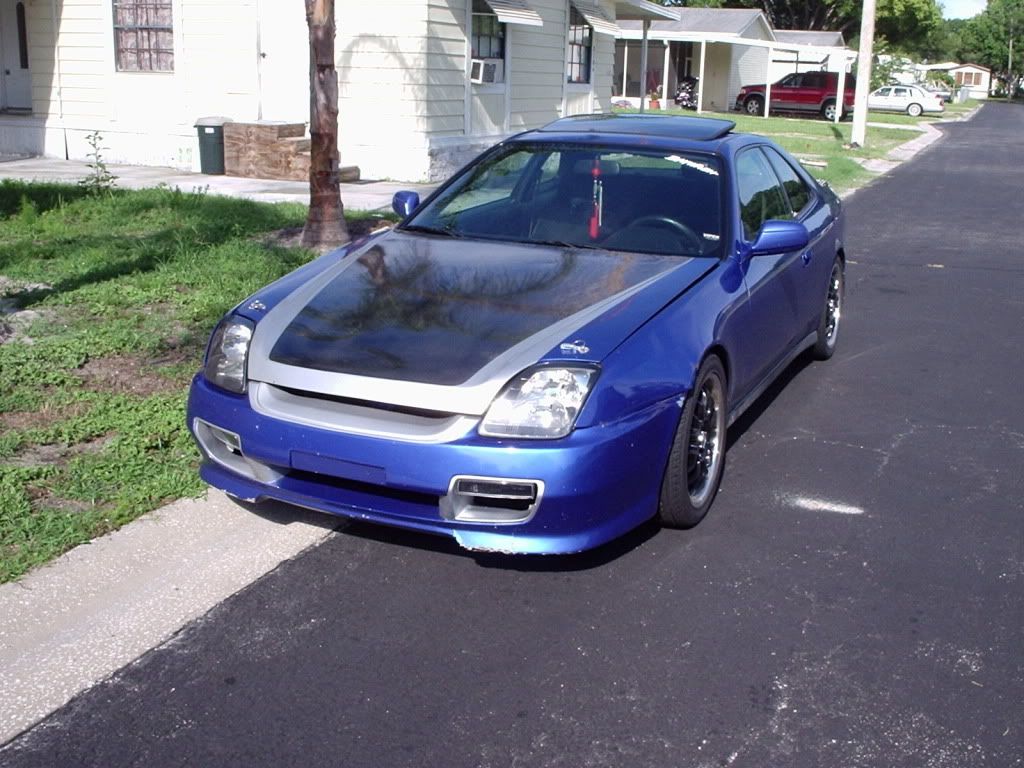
[{"x": 800, "y": 92}]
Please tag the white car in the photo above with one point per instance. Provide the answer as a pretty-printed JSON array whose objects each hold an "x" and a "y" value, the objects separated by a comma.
[{"x": 905, "y": 98}]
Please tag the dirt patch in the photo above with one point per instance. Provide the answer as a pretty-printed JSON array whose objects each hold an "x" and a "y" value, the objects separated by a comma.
[
  {"x": 125, "y": 374},
  {"x": 44, "y": 498},
  {"x": 57, "y": 455},
  {"x": 13, "y": 319},
  {"x": 43, "y": 416},
  {"x": 291, "y": 237}
]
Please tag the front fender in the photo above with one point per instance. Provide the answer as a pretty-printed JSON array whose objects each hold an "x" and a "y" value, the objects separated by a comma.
[{"x": 660, "y": 360}]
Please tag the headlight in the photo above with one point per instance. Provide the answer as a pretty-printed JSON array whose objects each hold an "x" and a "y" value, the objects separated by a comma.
[
  {"x": 539, "y": 403},
  {"x": 228, "y": 353}
]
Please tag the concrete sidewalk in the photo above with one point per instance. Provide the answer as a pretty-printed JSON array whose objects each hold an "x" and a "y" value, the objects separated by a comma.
[
  {"x": 71, "y": 623},
  {"x": 364, "y": 195}
]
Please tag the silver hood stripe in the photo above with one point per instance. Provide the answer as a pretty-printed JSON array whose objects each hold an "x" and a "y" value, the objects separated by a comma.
[{"x": 472, "y": 398}]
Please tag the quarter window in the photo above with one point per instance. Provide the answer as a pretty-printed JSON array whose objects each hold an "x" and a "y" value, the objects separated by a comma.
[
  {"x": 143, "y": 36},
  {"x": 761, "y": 196},
  {"x": 581, "y": 41}
]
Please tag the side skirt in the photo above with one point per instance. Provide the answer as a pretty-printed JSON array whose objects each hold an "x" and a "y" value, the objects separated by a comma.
[{"x": 756, "y": 392}]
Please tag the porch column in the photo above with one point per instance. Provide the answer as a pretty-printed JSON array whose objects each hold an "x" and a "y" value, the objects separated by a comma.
[
  {"x": 625, "y": 66},
  {"x": 664, "y": 78},
  {"x": 643, "y": 65},
  {"x": 700, "y": 77},
  {"x": 768, "y": 82},
  {"x": 839, "y": 90}
]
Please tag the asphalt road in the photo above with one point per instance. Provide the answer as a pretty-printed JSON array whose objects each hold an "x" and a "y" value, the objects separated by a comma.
[{"x": 854, "y": 598}]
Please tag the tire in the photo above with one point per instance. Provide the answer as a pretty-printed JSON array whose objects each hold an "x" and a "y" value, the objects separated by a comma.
[
  {"x": 692, "y": 476},
  {"x": 828, "y": 110},
  {"x": 754, "y": 105},
  {"x": 914, "y": 110},
  {"x": 831, "y": 312}
]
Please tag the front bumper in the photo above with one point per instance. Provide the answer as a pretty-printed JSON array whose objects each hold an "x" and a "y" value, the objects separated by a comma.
[{"x": 597, "y": 483}]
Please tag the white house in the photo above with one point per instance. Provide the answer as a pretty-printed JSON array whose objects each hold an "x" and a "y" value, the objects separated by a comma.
[
  {"x": 974, "y": 78},
  {"x": 423, "y": 84}
]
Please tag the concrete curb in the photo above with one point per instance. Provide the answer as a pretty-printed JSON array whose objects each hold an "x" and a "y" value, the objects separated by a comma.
[{"x": 74, "y": 622}]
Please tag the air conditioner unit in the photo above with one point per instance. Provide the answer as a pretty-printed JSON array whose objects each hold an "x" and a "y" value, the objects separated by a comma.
[{"x": 487, "y": 71}]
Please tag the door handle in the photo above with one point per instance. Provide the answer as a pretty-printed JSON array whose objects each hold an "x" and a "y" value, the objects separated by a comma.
[{"x": 805, "y": 257}]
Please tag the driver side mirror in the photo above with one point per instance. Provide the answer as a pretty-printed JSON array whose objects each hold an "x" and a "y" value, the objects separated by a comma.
[
  {"x": 778, "y": 236},
  {"x": 405, "y": 202}
]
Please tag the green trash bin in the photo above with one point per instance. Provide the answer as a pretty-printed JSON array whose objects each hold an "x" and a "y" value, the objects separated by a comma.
[{"x": 211, "y": 144}]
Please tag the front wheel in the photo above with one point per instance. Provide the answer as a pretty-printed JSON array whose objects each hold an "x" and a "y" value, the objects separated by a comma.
[
  {"x": 697, "y": 458},
  {"x": 831, "y": 313},
  {"x": 754, "y": 106},
  {"x": 914, "y": 110}
]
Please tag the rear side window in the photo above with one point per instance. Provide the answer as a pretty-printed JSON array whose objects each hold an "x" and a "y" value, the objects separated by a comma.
[
  {"x": 796, "y": 189},
  {"x": 761, "y": 196}
]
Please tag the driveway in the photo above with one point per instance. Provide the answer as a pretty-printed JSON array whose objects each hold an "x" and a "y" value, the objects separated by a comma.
[{"x": 854, "y": 598}]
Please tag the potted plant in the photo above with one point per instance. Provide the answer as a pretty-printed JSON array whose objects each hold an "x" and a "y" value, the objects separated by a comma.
[{"x": 653, "y": 100}]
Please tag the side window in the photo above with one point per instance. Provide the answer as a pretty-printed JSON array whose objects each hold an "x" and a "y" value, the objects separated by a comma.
[
  {"x": 901, "y": 92},
  {"x": 814, "y": 80},
  {"x": 884, "y": 91},
  {"x": 796, "y": 189},
  {"x": 761, "y": 197},
  {"x": 791, "y": 81}
]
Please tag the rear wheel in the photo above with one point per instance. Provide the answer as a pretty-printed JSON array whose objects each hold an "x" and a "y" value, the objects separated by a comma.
[
  {"x": 914, "y": 110},
  {"x": 754, "y": 105},
  {"x": 831, "y": 313},
  {"x": 828, "y": 110},
  {"x": 697, "y": 458}
]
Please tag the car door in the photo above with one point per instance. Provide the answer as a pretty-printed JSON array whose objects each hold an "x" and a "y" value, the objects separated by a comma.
[
  {"x": 815, "y": 264},
  {"x": 773, "y": 282},
  {"x": 812, "y": 92},
  {"x": 900, "y": 98},
  {"x": 880, "y": 99},
  {"x": 786, "y": 92}
]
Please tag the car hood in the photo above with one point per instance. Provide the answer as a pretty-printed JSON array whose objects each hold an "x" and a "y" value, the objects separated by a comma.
[{"x": 442, "y": 324}]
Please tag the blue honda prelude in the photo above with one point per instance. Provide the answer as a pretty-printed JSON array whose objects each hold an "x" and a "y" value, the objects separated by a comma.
[{"x": 543, "y": 354}]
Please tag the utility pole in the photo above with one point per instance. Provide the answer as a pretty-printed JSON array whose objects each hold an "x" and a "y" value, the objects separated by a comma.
[
  {"x": 860, "y": 95},
  {"x": 1011, "y": 81}
]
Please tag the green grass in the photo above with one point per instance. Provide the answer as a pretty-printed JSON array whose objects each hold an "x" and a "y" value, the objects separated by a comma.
[{"x": 124, "y": 289}]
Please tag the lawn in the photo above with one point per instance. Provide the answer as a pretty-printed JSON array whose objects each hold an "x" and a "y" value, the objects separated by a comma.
[{"x": 113, "y": 296}]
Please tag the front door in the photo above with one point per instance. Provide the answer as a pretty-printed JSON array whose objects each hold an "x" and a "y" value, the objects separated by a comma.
[
  {"x": 15, "y": 77},
  {"x": 283, "y": 61}
]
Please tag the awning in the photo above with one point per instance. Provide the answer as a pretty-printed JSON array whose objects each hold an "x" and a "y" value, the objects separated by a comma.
[
  {"x": 515, "y": 12},
  {"x": 638, "y": 10},
  {"x": 596, "y": 17}
]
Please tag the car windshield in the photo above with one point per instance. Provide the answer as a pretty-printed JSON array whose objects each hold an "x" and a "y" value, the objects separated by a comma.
[{"x": 585, "y": 197}]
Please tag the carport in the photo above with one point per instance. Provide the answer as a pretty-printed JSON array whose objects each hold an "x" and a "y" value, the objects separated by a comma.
[{"x": 722, "y": 63}]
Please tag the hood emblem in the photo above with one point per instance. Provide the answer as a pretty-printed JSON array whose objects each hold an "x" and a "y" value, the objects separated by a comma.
[
  {"x": 578, "y": 347},
  {"x": 257, "y": 305}
]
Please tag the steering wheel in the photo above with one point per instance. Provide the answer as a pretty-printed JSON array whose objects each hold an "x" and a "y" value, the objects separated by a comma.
[{"x": 689, "y": 237}]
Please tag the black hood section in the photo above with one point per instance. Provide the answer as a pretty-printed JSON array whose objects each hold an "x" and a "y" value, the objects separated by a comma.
[{"x": 432, "y": 310}]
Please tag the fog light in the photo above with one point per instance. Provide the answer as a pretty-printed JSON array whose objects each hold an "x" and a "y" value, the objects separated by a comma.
[{"x": 493, "y": 500}]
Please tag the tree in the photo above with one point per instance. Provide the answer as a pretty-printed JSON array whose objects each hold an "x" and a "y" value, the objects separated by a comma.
[
  {"x": 986, "y": 40},
  {"x": 325, "y": 225}
]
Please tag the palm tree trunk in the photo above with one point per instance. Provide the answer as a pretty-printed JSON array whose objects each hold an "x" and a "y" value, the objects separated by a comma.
[{"x": 325, "y": 225}]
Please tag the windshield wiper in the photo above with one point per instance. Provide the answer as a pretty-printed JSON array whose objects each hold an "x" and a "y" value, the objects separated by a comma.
[
  {"x": 566, "y": 244},
  {"x": 432, "y": 230}
]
